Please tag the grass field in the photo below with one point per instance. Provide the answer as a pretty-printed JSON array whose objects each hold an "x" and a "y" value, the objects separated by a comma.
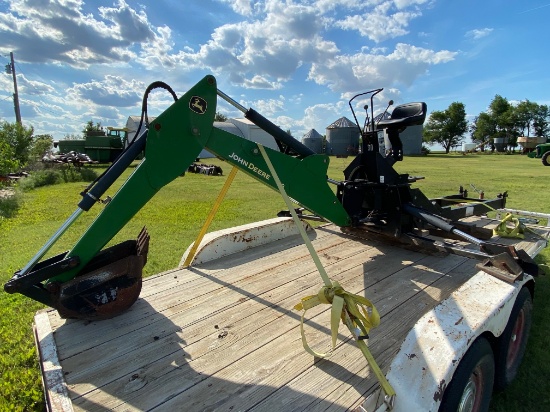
[{"x": 175, "y": 215}]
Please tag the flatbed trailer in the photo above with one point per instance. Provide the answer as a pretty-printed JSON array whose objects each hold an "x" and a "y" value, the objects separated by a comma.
[{"x": 222, "y": 334}]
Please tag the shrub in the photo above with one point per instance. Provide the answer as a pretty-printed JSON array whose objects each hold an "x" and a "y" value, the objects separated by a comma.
[
  {"x": 9, "y": 204},
  {"x": 41, "y": 178},
  {"x": 52, "y": 176}
]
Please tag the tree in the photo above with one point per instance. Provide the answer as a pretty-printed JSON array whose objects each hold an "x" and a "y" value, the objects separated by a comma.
[
  {"x": 507, "y": 123},
  {"x": 447, "y": 127},
  {"x": 540, "y": 121},
  {"x": 41, "y": 144},
  {"x": 219, "y": 117},
  {"x": 500, "y": 111},
  {"x": 524, "y": 114},
  {"x": 72, "y": 136},
  {"x": 19, "y": 138},
  {"x": 7, "y": 162},
  {"x": 483, "y": 129},
  {"x": 91, "y": 127}
]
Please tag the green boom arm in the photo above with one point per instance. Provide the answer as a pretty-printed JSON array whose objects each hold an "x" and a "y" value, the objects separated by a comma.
[{"x": 174, "y": 141}]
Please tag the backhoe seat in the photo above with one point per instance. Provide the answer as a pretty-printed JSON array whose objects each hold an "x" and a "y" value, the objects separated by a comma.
[{"x": 404, "y": 115}]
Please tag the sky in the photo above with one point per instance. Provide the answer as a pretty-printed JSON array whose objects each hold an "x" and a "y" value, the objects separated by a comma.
[{"x": 297, "y": 62}]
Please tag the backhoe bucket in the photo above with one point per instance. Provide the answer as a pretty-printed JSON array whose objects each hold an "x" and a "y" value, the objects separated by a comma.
[{"x": 107, "y": 286}]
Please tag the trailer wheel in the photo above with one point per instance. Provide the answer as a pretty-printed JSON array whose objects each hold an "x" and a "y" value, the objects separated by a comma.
[
  {"x": 545, "y": 159},
  {"x": 513, "y": 341},
  {"x": 472, "y": 384}
]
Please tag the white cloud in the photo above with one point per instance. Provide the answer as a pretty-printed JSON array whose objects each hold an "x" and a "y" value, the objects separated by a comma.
[
  {"x": 243, "y": 7},
  {"x": 32, "y": 87},
  {"x": 347, "y": 73},
  {"x": 379, "y": 24},
  {"x": 479, "y": 33},
  {"x": 61, "y": 33},
  {"x": 112, "y": 91},
  {"x": 268, "y": 107},
  {"x": 259, "y": 82}
]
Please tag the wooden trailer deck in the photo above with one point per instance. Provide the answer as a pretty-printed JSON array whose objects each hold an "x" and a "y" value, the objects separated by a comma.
[{"x": 224, "y": 335}]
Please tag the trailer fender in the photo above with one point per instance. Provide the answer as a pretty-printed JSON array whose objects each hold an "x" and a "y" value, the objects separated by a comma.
[{"x": 431, "y": 352}]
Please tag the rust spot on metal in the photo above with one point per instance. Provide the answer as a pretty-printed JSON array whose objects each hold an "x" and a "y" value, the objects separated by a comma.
[
  {"x": 411, "y": 356},
  {"x": 438, "y": 395},
  {"x": 458, "y": 322}
]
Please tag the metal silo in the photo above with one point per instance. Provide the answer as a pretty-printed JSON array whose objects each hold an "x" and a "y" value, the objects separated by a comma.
[
  {"x": 313, "y": 140},
  {"x": 342, "y": 138}
]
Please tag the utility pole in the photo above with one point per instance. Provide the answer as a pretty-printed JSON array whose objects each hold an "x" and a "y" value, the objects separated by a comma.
[{"x": 10, "y": 69}]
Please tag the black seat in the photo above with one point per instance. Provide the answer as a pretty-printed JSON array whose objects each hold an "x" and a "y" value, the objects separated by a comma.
[{"x": 404, "y": 115}]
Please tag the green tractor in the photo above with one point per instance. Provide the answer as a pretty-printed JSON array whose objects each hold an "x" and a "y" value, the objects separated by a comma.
[{"x": 542, "y": 151}]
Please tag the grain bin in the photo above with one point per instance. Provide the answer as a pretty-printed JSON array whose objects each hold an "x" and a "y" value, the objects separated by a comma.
[
  {"x": 313, "y": 140},
  {"x": 342, "y": 138}
]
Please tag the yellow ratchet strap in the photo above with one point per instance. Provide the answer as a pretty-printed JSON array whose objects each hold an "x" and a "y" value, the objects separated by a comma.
[
  {"x": 210, "y": 217},
  {"x": 357, "y": 307},
  {"x": 352, "y": 309},
  {"x": 503, "y": 230}
]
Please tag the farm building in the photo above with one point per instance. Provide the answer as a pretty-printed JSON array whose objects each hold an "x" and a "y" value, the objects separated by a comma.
[
  {"x": 342, "y": 138},
  {"x": 313, "y": 140}
]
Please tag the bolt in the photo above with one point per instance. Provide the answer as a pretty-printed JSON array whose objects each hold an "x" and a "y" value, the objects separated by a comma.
[{"x": 157, "y": 126}]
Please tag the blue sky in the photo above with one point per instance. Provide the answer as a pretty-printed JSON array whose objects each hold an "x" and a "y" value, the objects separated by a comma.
[{"x": 297, "y": 62}]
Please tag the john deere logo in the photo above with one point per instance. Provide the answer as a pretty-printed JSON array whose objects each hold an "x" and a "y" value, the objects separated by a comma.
[{"x": 197, "y": 104}]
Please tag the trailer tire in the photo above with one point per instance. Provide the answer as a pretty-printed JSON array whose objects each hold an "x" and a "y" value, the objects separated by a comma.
[
  {"x": 471, "y": 387},
  {"x": 513, "y": 341},
  {"x": 545, "y": 159}
]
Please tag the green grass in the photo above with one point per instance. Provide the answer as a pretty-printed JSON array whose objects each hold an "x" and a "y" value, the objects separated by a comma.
[{"x": 175, "y": 215}]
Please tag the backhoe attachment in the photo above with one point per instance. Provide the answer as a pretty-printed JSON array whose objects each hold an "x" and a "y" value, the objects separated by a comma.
[
  {"x": 88, "y": 282},
  {"x": 94, "y": 282}
]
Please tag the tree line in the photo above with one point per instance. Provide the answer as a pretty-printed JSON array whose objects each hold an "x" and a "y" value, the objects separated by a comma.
[{"x": 502, "y": 120}]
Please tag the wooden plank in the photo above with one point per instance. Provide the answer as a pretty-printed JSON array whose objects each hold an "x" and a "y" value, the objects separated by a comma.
[{"x": 55, "y": 389}]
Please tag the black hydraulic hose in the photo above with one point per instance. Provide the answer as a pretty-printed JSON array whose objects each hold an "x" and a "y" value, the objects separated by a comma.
[
  {"x": 277, "y": 133},
  {"x": 113, "y": 173}
]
